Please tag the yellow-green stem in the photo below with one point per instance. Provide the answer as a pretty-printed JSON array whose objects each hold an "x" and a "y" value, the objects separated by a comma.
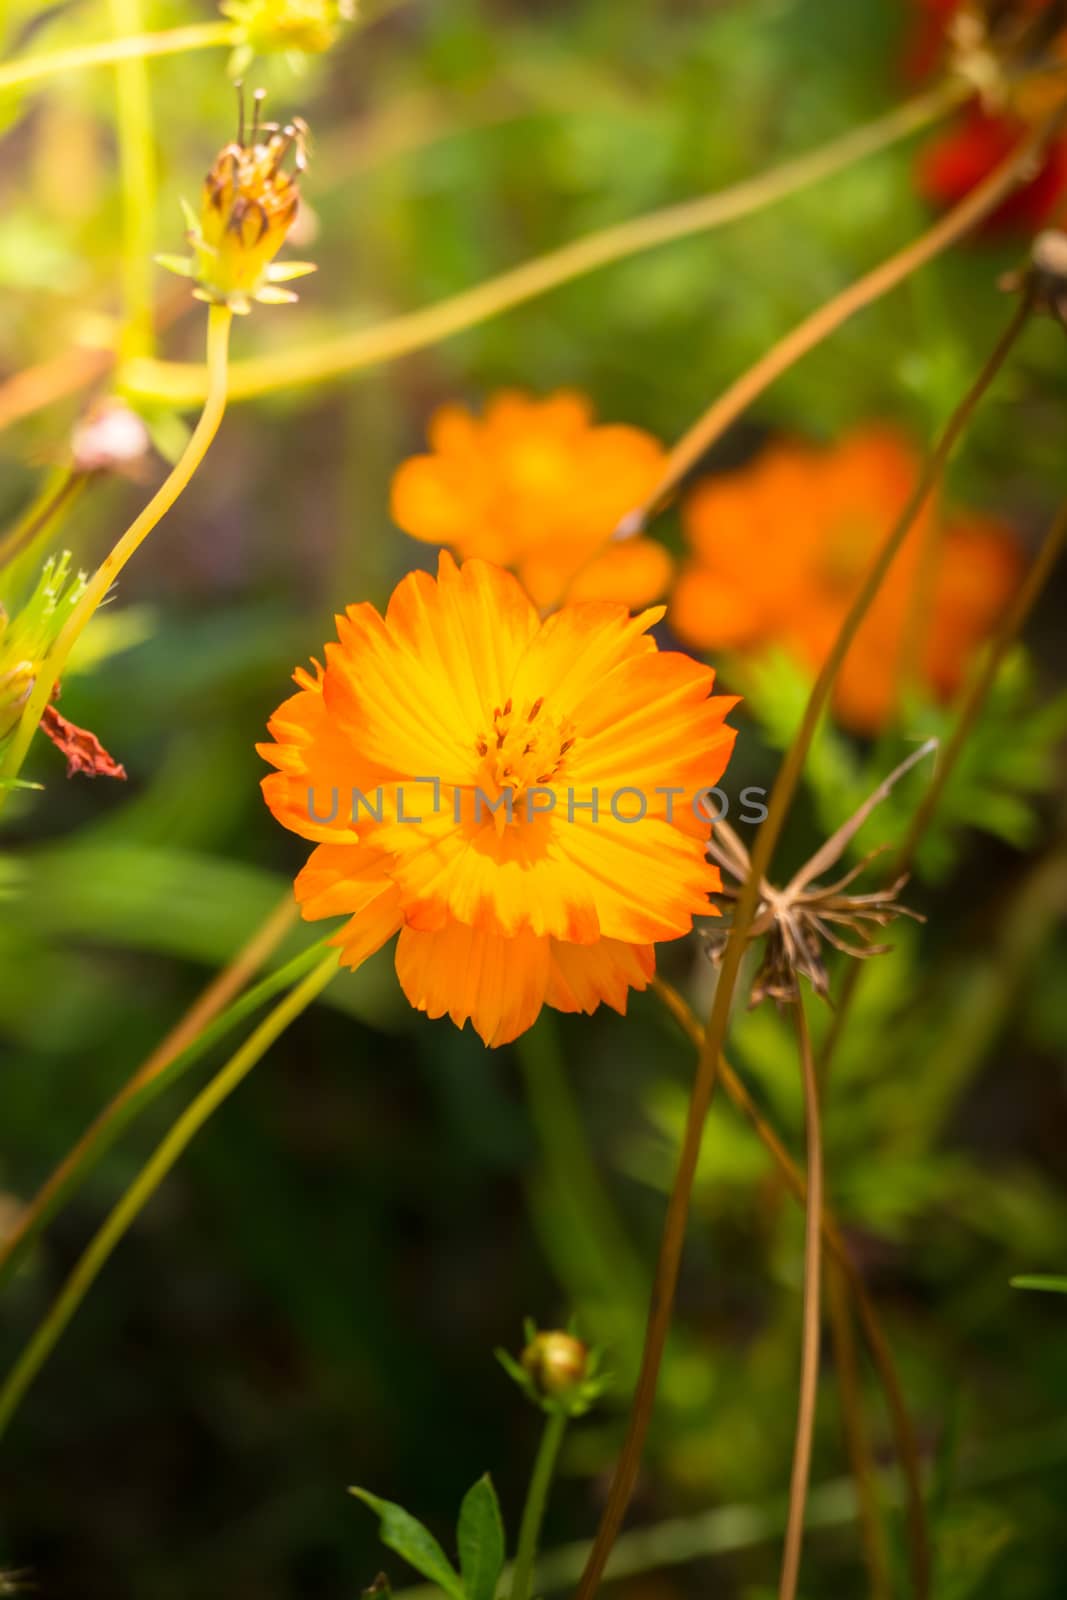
[
  {"x": 179, "y": 1050},
  {"x": 137, "y": 169},
  {"x": 219, "y": 320},
  {"x": 149, "y": 1179},
  {"x": 176, "y": 383},
  {"x": 533, "y": 1514},
  {"x": 809, "y": 1359},
  {"x": 59, "y": 493},
  {"x": 175, "y": 41}
]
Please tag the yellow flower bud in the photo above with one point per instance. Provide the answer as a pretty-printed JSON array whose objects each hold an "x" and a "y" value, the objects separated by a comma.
[
  {"x": 557, "y": 1363},
  {"x": 306, "y": 26}
]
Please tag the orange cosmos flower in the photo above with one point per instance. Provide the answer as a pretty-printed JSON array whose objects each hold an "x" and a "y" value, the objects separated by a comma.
[
  {"x": 515, "y": 797},
  {"x": 780, "y": 548},
  {"x": 536, "y": 486}
]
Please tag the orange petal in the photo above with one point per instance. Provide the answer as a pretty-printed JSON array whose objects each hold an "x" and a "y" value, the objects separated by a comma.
[
  {"x": 498, "y": 983},
  {"x": 582, "y": 976},
  {"x": 630, "y": 572},
  {"x": 712, "y": 612},
  {"x": 650, "y": 879},
  {"x": 430, "y": 500},
  {"x": 318, "y": 767},
  {"x": 420, "y": 685},
  {"x": 507, "y": 883},
  {"x": 650, "y": 725}
]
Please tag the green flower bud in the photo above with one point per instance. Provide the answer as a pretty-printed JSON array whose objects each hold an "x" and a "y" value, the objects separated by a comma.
[{"x": 557, "y": 1363}]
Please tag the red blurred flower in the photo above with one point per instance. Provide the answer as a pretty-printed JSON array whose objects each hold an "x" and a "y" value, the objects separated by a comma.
[{"x": 979, "y": 43}]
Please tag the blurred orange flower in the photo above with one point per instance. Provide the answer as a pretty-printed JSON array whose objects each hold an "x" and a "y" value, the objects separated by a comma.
[
  {"x": 780, "y": 548},
  {"x": 461, "y": 767},
  {"x": 537, "y": 486}
]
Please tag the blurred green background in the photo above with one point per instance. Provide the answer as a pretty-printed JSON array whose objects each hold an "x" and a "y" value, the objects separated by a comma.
[{"x": 314, "y": 1297}]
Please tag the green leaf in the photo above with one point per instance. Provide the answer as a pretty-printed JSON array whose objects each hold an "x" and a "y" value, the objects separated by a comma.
[
  {"x": 401, "y": 1532},
  {"x": 480, "y": 1536},
  {"x": 1035, "y": 1281}
]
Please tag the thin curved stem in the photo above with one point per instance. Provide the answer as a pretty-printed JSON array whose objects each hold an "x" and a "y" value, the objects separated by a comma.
[
  {"x": 857, "y": 1440},
  {"x": 137, "y": 171},
  {"x": 149, "y": 1179},
  {"x": 830, "y": 316},
  {"x": 809, "y": 1360},
  {"x": 177, "y": 383},
  {"x": 1011, "y": 625},
  {"x": 785, "y": 787},
  {"x": 96, "y": 590},
  {"x": 58, "y": 495},
  {"x": 175, "y": 41},
  {"x": 533, "y": 1514},
  {"x": 905, "y": 1440},
  {"x": 213, "y": 1014}
]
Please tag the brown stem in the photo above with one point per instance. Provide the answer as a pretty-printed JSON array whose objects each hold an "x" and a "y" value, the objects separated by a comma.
[
  {"x": 661, "y": 1304},
  {"x": 1011, "y": 625},
  {"x": 809, "y": 1359},
  {"x": 905, "y": 1440},
  {"x": 970, "y": 211},
  {"x": 857, "y": 1439},
  {"x": 785, "y": 787},
  {"x": 830, "y": 316}
]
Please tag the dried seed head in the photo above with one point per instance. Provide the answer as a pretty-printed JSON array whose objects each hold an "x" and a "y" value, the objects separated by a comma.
[
  {"x": 1044, "y": 279},
  {"x": 797, "y": 921},
  {"x": 250, "y": 201}
]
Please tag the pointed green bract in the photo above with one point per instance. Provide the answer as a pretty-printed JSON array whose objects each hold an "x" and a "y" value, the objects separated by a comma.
[
  {"x": 480, "y": 1537},
  {"x": 402, "y": 1532}
]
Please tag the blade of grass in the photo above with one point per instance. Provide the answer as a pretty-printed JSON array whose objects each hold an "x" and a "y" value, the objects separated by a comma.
[
  {"x": 156, "y": 1074},
  {"x": 149, "y": 1179}
]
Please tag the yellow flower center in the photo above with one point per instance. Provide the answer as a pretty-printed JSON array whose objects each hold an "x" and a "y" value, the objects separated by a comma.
[{"x": 523, "y": 749}]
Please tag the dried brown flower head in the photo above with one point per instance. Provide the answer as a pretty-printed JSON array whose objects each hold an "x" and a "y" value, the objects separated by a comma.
[
  {"x": 1044, "y": 278},
  {"x": 799, "y": 920},
  {"x": 249, "y": 202}
]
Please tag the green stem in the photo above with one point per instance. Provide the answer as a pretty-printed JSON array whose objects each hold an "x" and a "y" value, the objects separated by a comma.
[
  {"x": 137, "y": 168},
  {"x": 96, "y": 590},
  {"x": 180, "y": 383},
  {"x": 175, "y": 41},
  {"x": 137, "y": 1093},
  {"x": 61, "y": 490},
  {"x": 149, "y": 1179},
  {"x": 533, "y": 1514},
  {"x": 571, "y": 1169}
]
